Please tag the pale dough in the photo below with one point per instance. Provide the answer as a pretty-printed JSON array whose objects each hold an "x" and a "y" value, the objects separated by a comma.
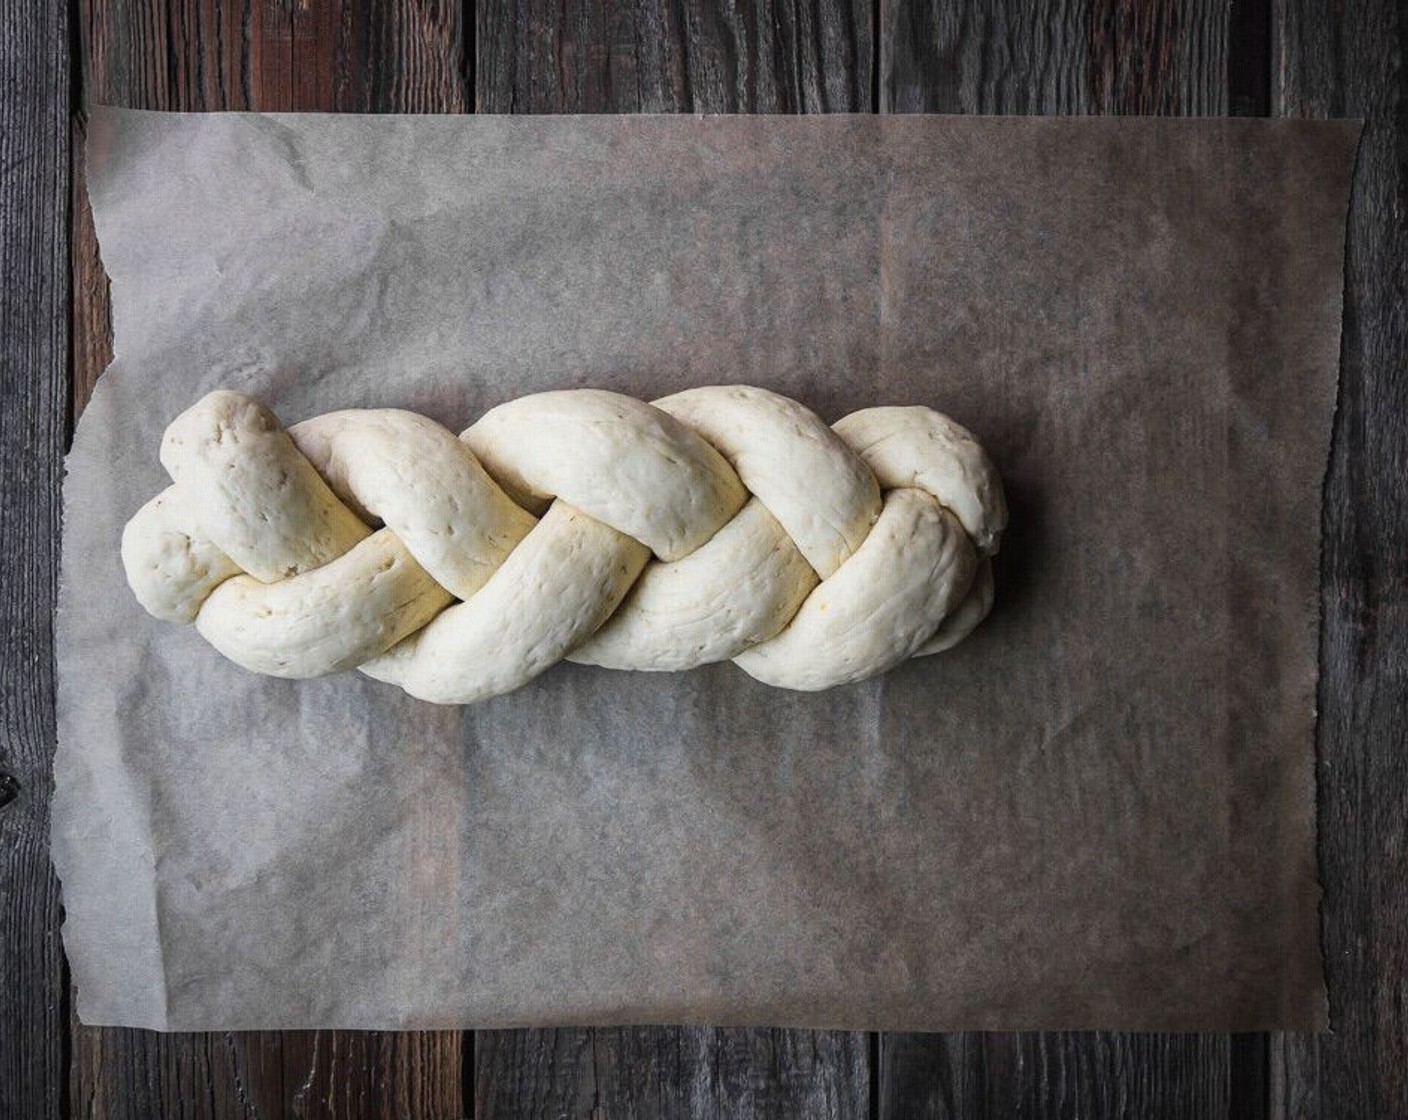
[
  {"x": 718, "y": 523},
  {"x": 814, "y": 504}
]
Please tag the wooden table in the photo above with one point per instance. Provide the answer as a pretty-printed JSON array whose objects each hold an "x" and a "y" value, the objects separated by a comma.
[{"x": 1200, "y": 57}]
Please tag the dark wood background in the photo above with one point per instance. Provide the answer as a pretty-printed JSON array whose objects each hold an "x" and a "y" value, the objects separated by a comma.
[{"x": 1191, "y": 57}]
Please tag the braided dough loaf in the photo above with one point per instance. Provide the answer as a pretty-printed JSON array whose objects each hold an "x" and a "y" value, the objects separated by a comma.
[{"x": 719, "y": 523}]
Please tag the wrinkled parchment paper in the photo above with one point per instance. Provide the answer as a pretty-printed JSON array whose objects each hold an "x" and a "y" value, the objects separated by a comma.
[{"x": 1097, "y": 811}]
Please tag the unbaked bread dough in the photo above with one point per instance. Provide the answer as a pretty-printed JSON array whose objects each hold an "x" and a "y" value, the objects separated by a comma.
[{"x": 721, "y": 523}]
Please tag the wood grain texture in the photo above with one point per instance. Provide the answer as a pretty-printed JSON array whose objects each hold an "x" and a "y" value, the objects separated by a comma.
[
  {"x": 268, "y": 1075},
  {"x": 1348, "y": 60},
  {"x": 536, "y": 56},
  {"x": 91, "y": 320},
  {"x": 1054, "y": 56},
  {"x": 275, "y": 55},
  {"x": 641, "y": 1073},
  {"x": 668, "y": 56},
  {"x": 1134, "y": 1076},
  {"x": 34, "y": 94},
  {"x": 1067, "y": 57},
  {"x": 401, "y": 56}
]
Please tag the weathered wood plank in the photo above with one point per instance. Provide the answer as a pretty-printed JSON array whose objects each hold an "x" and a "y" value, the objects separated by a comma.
[
  {"x": 130, "y": 1073},
  {"x": 643, "y": 1072},
  {"x": 1066, "y": 56},
  {"x": 34, "y": 94},
  {"x": 1054, "y": 56},
  {"x": 533, "y": 56},
  {"x": 91, "y": 325},
  {"x": 947, "y": 1077},
  {"x": 1348, "y": 60},
  {"x": 269, "y": 55},
  {"x": 275, "y": 55},
  {"x": 545, "y": 56}
]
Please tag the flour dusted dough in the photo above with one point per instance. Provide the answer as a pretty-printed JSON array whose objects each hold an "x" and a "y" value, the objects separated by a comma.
[{"x": 718, "y": 523}]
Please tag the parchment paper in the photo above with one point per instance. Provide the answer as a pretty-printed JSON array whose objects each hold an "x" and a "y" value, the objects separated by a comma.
[{"x": 1097, "y": 811}]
